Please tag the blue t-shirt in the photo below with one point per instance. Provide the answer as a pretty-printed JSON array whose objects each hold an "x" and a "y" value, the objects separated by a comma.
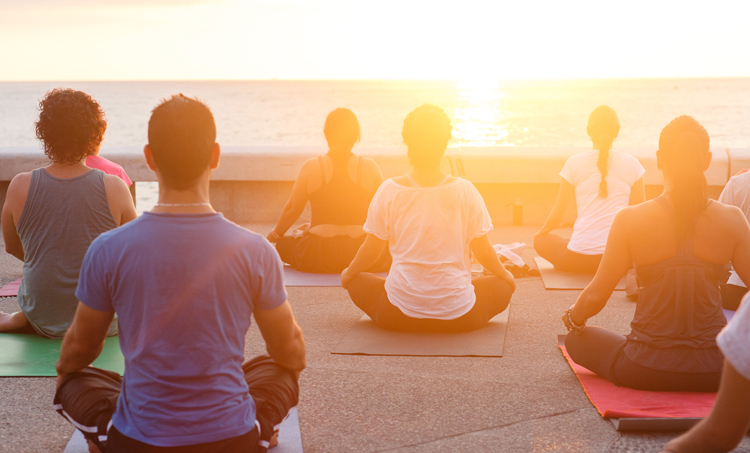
[{"x": 184, "y": 287}]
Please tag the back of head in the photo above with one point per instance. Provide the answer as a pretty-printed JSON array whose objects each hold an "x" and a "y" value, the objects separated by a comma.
[
  {"x": 71, "y": 125},
  {"x": 181, "y": 134},
  {"x": 426, "y": 133},
  {"x": 603, "y": 128},
  {"x": 341, "y": 129},
  {"x": 683, "y": 148}
]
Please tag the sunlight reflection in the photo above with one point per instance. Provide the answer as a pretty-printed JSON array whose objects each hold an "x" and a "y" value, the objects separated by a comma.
[{"x": 479, "y": 115}]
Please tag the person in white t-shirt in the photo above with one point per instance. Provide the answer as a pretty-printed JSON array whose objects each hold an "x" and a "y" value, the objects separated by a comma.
[
  {"x": 430, "y": 221},
  {"x": 601, "y": 182},
  {"x": 736, "y": 193},
  {"x": 729, "y": 420}
]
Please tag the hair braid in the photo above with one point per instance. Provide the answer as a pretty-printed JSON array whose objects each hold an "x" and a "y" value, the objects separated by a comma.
[{"x": 603, "y": 128}]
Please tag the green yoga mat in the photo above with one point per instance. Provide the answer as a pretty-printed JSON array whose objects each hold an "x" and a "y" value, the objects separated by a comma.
[{"x": 24, "y": 354}]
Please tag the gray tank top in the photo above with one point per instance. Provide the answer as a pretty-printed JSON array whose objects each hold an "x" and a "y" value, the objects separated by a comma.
[
  {"x": 60, "y": 219},
  {"x": 679, "y": 312}
]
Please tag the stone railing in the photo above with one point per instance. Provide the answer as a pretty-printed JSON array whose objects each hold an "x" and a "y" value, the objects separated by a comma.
[{"x": 252, "y": 183}]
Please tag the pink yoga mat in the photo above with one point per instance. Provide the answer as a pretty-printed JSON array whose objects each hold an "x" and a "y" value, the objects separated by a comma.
[
  {"x": 619, "y": 402},
  {"x": 11, "y": 289}
]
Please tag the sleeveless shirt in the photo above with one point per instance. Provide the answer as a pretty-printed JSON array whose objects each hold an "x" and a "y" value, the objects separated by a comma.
[
  {"x": 340, "y": 201},
  {"x": 678, "y": 314},
  {"x": 60, "y": 219}
]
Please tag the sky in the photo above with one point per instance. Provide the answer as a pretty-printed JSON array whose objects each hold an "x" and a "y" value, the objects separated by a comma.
[{"x": 66, "y": 40}]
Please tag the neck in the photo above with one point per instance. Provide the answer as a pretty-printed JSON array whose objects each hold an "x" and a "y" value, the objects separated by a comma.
[
  {"x": 427, "y": 176},
  {"x": 339, "y": 150},
  {"x": 185, "y": 197},
  {"x": 65, "y": 169}
]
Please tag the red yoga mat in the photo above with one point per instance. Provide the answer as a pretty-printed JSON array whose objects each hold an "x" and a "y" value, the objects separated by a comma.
[
  {"x": 619, "y": 402},
  {"x": 11, "y": 289}
]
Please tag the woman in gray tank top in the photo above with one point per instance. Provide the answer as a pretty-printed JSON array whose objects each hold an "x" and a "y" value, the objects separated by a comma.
[
  {"x": 52, "y": 214},
  {"x": 679, "y": 243}
]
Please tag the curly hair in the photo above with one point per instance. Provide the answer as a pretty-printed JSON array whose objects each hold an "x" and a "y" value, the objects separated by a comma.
[
  {"x": 426, "y": 132},
  {"x": 71, "y": 125}
]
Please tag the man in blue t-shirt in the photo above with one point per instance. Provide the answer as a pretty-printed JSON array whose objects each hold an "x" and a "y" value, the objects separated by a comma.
[{"x": 184, "y": 283}]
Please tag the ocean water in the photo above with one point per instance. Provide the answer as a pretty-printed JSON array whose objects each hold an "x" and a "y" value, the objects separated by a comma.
[{"x": 483, "y": 113}]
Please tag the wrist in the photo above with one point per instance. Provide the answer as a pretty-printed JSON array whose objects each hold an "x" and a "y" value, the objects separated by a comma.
[{"x": 570, "y": 322}]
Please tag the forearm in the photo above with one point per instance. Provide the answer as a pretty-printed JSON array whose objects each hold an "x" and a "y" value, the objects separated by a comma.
[
  {"x": 289, "y": 215},
  {"x": 366, "y": 257},
  {"x": 554, "y": 220},
  {"x": 292, "y": 356},
  {"x": 487, "y": 257},
  {"x": 75, "y": 356},
  {"x": 589, "y": 304}
]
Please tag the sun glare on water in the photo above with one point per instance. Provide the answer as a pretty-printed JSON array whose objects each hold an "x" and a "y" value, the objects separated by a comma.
[{"x": 479, "y": 119}]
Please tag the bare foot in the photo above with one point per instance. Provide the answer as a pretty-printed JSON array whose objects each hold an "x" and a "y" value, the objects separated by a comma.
[
  {"x": 12, "y": 321},
  {"x": 92, "y": 447},
  {"x": 274, "y": 439}
]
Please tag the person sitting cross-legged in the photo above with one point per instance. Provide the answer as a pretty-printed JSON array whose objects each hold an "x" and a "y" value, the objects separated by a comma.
[
  {"x": 430, "y": 221},
  {"x": 680, "y": 243},
  {"x": 184, "y": 283},
  {"x": 52, "y": 214}
]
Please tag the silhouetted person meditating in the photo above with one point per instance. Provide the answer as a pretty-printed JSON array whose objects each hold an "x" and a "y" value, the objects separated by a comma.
[
  {"x": 679, "y": 242},
  {"x": 600, "y": 182},
  {"x": 339, "y": 186},
  {"x": 430, "y": 221},
  {"x": 52, "y": 214},
  {"x": 184, "y": 283},
  {"x": 736, "y": 193}
]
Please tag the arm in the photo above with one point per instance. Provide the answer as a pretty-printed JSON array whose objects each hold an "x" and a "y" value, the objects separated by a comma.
[
  {"x": 15, "y": 199},
  {"x": 728, "y": 422},
  {"x": 367, "y": 255},
  {"x": 565, "y": 196},
  {"x": 741, "y": 253},
  {"x": 294, "y": 206},
  {"x": 615, "y": 264},
  {"x": 487, "y": 256},
  {"x": 284, "y": 341},
  {"x": 84, "y": 340},
  {"x": 637, "y": 193},
  {"x": 377, "y": 175},
  {"x": 119, "y": 199}
]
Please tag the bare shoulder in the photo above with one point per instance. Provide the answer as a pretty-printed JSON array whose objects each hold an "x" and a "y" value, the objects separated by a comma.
[
  {"x": 115, "y": 183},
  {"x": 726, "y": 214},
  {"x": 19, "y": 184},
  {"x": 641, "y": 214},
  {"x": 370, "y": 164}
]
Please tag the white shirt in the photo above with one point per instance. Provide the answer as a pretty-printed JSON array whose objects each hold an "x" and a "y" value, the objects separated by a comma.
[
  {"x": 428, "y": 232},
  {"x": 595, "y": 214},
  {"x": 735, "y": 338},
  {"x": 737, "y": 193}
]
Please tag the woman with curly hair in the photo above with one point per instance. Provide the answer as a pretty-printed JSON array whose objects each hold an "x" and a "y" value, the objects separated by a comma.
[
  {"x": 339, "y": 186},
  {"x": 52, "y": 214},
  {"x": 680, "y": 243},
  {"x": 600, "y": 183},
  {"x": 430, "y": 221}
]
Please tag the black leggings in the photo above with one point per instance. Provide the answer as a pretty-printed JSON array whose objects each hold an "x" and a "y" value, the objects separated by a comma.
[
  {"x": 311, "y": 253},
  {"x": 88, "y": 399},
  {"x": 602, "y": 351},
  {"x": 731, "y": 296},
  {"x": 554, "y": 249},
  {"x": 368, "y": 293}
]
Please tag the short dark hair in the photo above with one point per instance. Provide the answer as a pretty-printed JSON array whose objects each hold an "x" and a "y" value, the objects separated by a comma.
[
  {"x": 181, "y": 134},
  {"x": 426, "y": 132},
  {"x": 342, "y": 127},
  {"x": 71, "y": 125}
]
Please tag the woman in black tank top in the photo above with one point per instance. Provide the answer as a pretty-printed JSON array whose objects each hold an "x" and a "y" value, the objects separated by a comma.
[
  {"x": 339, "y": 186},
  {"x": 679, "y": 244}
]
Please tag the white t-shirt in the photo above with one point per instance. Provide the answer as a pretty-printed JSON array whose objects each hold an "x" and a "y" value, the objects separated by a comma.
[
  {"x": 735, "y": 338},
  {"x": 428, "y": 232},
  {"x": 595, "y": 214},
  {"x": 737, "y": 193}
]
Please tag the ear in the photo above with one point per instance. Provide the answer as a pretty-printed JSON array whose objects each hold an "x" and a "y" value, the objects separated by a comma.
[
  {"x": 215, "y": 155},
  {"x": 149, "y": 157},
  {"x": 708, "y": 158},
  {"x": 659, "y": 158}
]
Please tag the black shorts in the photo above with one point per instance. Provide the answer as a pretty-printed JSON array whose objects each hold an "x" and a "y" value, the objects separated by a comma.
[
  {"x": 88, "y": 399},
  {"x": 311, "y": 253}
]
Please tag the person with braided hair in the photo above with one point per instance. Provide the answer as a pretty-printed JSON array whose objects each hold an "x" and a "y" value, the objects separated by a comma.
[
  {"x": 680, "y": 242},
  {"x": 430, "y": 221},
  {"x": 601, "y": 182}
]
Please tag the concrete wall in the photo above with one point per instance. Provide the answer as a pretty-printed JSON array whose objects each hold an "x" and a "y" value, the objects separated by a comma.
[{"x": 252, "y": 183}]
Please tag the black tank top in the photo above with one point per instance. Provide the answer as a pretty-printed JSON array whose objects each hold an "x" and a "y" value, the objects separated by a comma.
[
  {"x": 340, "y": 201},
  {"x": 678, "y": 314}
]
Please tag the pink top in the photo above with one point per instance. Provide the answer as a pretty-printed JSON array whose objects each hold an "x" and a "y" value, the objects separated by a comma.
[{"x": 108, "y": 167}]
